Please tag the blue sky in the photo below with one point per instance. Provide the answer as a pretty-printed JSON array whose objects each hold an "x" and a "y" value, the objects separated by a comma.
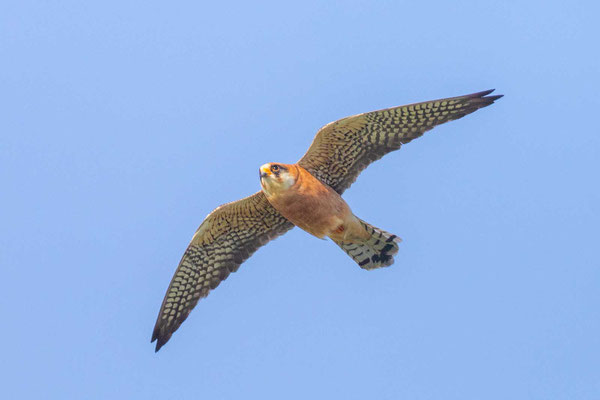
[{"x": 125, "y": 123}]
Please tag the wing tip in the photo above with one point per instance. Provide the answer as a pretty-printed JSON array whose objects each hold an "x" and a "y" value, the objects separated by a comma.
[
  {"x": 158, "y": 346},
  {"x": 159, "y": 338},
  {"x": 484, "y": 95},
  {"x": 480, "y": 99},
  {"x": 160, "y": 341}
]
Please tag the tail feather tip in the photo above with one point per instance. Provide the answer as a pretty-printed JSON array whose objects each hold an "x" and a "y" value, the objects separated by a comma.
[{"x": 375, "y": 252}]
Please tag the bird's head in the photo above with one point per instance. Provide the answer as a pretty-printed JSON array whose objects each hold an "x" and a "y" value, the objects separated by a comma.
[{"x": 276, "y": 178}]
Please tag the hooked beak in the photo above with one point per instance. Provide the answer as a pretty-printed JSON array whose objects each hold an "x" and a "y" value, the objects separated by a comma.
[{"x": 264, "y": 171}]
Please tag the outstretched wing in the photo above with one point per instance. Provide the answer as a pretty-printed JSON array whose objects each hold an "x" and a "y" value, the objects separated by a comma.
[
  {"x": 224, "y": 240},
  {"x": 342, "y": 149}
]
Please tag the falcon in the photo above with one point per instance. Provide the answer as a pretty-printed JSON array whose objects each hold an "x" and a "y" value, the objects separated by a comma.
[{"x": 308, "y": 195}]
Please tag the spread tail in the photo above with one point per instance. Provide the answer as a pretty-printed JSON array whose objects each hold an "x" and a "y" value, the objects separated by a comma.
[{"x": 375, "y": 252}]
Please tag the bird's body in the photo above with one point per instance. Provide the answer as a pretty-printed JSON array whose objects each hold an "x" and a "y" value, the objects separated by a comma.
[
  {"x": 308, "y": 195},
  {"x": 309, "y": 204}
]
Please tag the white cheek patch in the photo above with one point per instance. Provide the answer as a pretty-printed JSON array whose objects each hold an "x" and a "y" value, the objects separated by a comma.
[
  {"x": 273, "y": 186},
  {"x": 287, "y": 181}
]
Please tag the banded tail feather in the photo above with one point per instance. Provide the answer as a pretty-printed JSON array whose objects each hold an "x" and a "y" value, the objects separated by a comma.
[{"x": 375, "y": 252}]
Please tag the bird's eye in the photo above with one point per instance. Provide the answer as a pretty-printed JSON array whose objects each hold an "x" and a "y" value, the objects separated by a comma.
[{"x": 275, "y": 168}]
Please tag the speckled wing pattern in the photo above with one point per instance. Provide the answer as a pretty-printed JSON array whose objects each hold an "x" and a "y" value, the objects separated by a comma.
[
  {"x": 342, "y": 149},
  {"x": 224, "y": 240}
]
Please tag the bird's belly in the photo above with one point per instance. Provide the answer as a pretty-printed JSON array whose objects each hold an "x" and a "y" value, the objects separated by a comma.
[
  {"x": 319, "y": 213},
  {"x": 316, "y": 221}
]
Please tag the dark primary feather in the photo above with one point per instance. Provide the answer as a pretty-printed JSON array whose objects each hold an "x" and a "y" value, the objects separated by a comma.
[
  {"x": 224, "y": 240},
  {"x": 342, "y": 149}
]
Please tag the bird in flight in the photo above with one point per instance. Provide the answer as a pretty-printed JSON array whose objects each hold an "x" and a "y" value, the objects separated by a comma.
[{"x": 308, "y": 195}]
